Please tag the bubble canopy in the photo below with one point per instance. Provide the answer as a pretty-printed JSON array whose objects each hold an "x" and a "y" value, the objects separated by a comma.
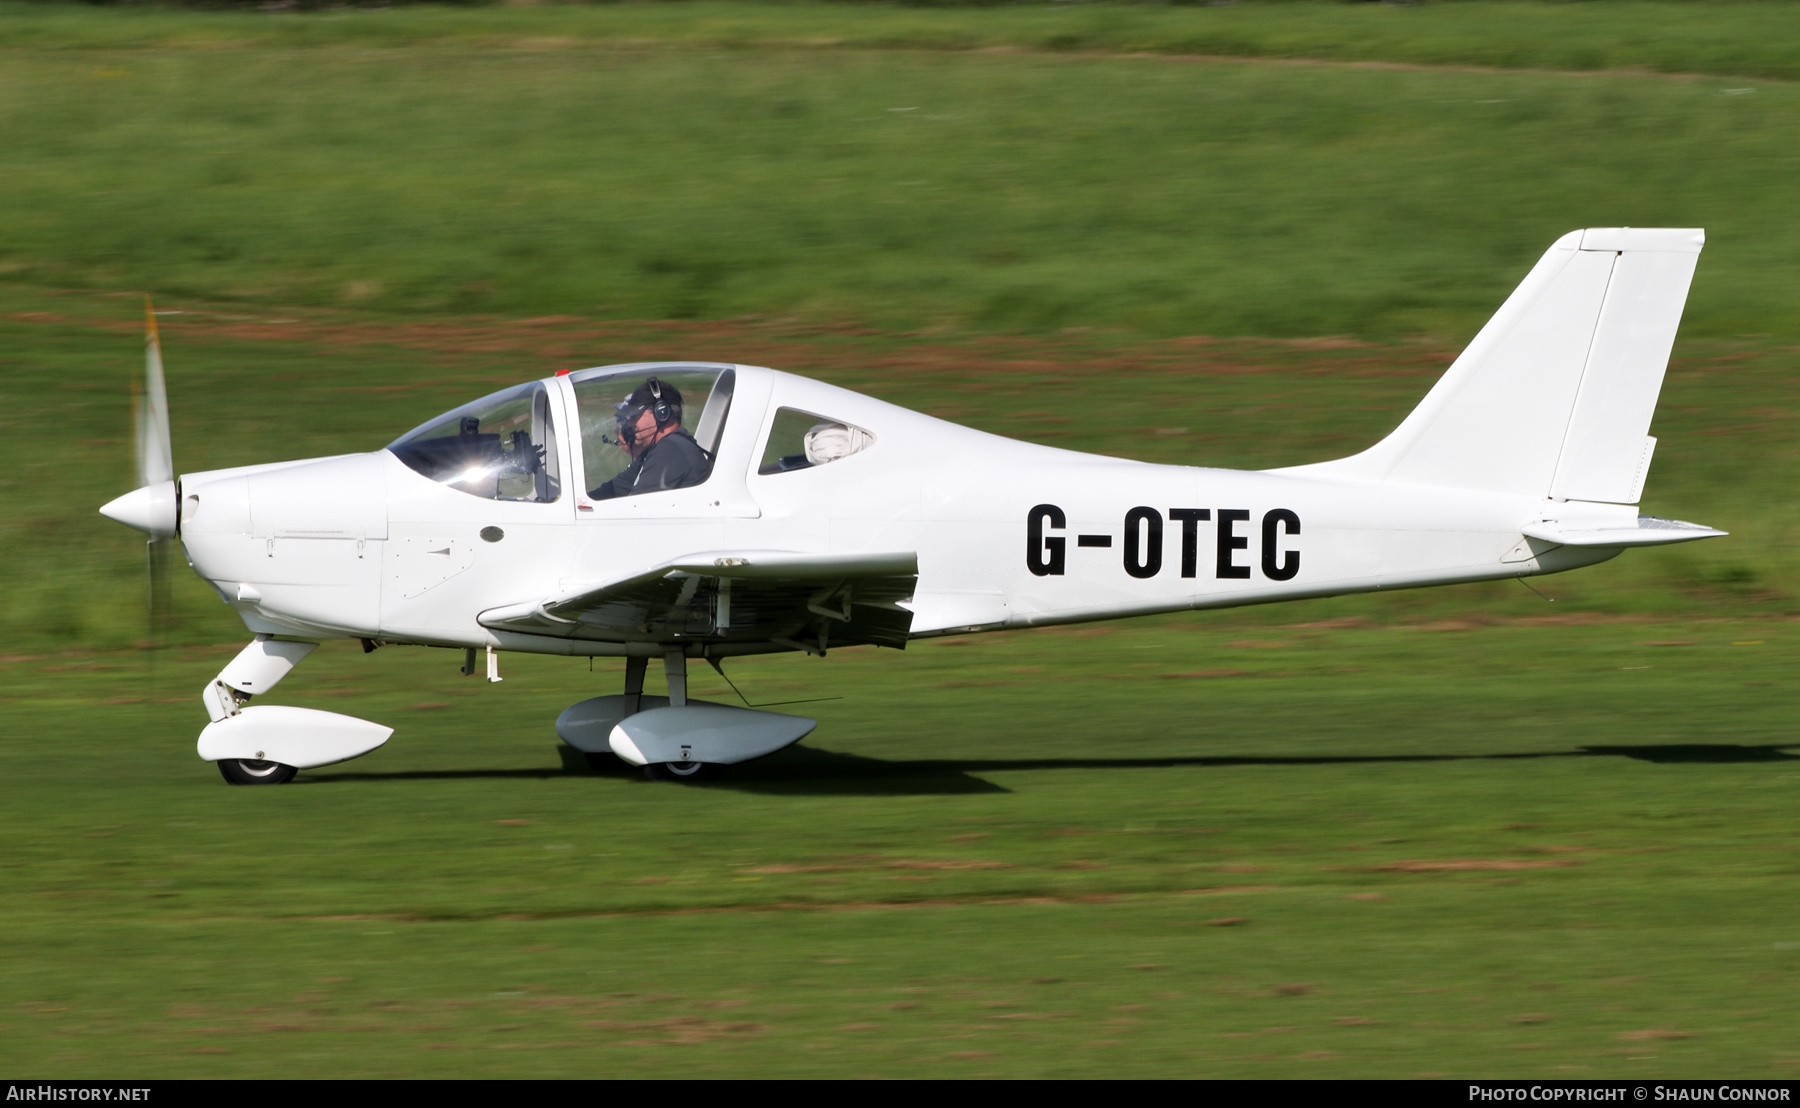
[{"x": 500, "y": 447}]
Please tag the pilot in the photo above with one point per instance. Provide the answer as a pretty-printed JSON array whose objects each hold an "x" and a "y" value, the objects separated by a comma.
[{"x": 663, "y": 454}]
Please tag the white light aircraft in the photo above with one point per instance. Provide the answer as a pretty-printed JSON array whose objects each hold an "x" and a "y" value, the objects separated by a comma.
[{"x": 690, "y": 510}]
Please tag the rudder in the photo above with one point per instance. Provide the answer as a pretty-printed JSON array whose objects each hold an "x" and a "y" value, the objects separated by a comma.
[{"x": 1554, "y": 396}]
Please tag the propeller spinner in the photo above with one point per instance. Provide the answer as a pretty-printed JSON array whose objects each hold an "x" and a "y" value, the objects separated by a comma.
[{"x": 154, "y": 506}]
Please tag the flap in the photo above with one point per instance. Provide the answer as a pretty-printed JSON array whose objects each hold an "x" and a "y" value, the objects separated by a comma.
[
  {"x": 1650, "y": 531},
  {"x": 950, "y": 611}
]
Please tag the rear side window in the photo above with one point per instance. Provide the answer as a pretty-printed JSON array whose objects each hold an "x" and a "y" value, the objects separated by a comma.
[{"x": 802, "y": 440}]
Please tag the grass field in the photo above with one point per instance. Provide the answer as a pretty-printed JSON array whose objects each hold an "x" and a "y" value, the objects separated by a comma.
[
  {"x": 903, "y": 188},
  {"x": 1734, "y": 38},
  {"x": 1458, "y": 832},
  {"x": 1559, "y": 849}
]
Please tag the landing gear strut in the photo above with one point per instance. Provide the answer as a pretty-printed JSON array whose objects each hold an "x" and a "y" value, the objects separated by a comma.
[
  {"x": 675, "y": 670},
  {"x": 672, "y": 738}
]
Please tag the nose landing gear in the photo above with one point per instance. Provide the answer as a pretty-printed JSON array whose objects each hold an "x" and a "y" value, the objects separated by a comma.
[
  {"x": 681, "y": 771},
  {"x": 249, "y": 771},
  {"x": 268, "y": 744}
]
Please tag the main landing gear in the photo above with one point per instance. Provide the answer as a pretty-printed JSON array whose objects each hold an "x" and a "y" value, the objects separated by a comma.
[
  {"x": 672, "y": 738},
  {"x": 675, "y": 671}
]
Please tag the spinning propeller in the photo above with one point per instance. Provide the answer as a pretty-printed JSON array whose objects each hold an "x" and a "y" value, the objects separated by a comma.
[{"x": 154, "y": 507}]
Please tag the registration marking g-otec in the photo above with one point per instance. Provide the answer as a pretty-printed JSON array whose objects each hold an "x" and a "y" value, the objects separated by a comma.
[{"x": 1046, "y": 553}]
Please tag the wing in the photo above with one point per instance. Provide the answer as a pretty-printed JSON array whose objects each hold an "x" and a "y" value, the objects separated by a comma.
[{"x": 804, "y": 601}]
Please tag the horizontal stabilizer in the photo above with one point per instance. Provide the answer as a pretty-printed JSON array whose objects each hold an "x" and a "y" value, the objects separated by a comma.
[{"x": 1650, "y": 531}]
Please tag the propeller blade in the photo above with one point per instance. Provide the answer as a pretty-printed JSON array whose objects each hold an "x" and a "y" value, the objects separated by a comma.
[
  {"x": 160, "y": 562},
  {"x": 156, "y": 469},
  {"x": 155, "y": 460}
]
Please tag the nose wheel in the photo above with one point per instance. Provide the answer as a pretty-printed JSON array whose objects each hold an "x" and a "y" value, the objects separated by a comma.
[
  {"x": 681, "y": 771},
  {"x": 246, "y": 771}
]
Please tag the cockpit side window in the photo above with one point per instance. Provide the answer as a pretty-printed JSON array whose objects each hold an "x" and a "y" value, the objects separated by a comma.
[
  {"x": 501, "y": 447},
  {"x": 650, "y": 428},
  {"x": 801, "y": 440}
]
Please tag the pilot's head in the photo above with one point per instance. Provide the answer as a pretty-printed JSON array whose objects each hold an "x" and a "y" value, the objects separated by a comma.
[{"x": 651, "y": 411}]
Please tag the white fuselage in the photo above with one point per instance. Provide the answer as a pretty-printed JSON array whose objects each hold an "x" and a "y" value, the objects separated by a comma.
[{"x": 1008, "y": 534}]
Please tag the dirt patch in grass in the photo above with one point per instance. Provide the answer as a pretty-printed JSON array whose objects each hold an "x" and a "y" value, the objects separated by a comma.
[
  {"x": 676, "y": 1030},
  {"x": 1453, "y": 865},
  {"x": 820, "y": 347}
]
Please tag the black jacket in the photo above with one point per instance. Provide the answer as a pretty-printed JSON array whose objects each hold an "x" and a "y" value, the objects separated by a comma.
[{"x": 673, "y": 462}]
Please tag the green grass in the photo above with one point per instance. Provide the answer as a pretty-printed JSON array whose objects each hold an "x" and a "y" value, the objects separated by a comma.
[
  {"x": 1455, "y": 831},
  {"x": 1009, "y": 192},
  {"x": 1536, "y": 850}
]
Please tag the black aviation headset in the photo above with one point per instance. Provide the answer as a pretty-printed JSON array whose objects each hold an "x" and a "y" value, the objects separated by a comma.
[{"x": 665, "y": 411}]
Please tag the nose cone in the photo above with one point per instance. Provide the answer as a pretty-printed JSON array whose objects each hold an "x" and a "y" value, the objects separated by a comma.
[{"x": 151, "y": 509}]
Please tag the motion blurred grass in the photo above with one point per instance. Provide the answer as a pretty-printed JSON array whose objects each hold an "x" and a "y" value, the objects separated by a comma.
[
  {"x": 1747, "y": 38},
  {"x": 1142, "y": 849},
  {"x": 1457, "y": 831},
  {"x": 1009, "y": 192}
]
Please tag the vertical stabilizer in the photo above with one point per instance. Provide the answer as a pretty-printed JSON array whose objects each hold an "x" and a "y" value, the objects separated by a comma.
[{"x": 1554, "y": 396}]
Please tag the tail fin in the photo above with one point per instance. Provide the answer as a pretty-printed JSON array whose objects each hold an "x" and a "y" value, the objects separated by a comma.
[{"x": 1554, "y": 396}]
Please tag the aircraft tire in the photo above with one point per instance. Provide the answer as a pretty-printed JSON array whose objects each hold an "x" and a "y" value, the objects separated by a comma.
[
  {"x": 684, "y": 772},
  {"x": 242, "y": 771}
]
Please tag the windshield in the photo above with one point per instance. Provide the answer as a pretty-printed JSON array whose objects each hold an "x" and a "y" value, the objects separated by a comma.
[
  {"x": 648, "y": 428},
  {"x": 501, "y": 447}
]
